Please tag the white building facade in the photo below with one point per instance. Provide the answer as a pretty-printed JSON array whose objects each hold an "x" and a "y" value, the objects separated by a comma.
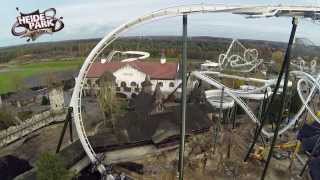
[{"x": 129, "y": 76}]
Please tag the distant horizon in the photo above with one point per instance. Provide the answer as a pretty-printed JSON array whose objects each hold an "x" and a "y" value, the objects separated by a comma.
[{"x": 97, "y": 38}]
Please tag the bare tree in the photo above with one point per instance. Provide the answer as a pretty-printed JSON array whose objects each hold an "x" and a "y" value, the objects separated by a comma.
[{"x": 107, "y": 99}]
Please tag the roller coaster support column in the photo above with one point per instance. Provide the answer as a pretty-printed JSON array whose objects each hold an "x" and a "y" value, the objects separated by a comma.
[
  {"x": 67, "y": 121},
  {"x": 218, "y": 122},
  {"x": 285, "y": 86},
  {"x": 235, "y": 110},
  {"x": 184, "y": 97},
  {"x": 283, "y": 67}
]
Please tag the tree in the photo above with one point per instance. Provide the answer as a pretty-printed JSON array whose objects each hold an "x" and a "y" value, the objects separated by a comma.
[
  {"x": 107, "y": 99},
  {"x": 277, "y": 57},
  {"x": 6, "y": 118},
  {"x": 51, "y": 167}
]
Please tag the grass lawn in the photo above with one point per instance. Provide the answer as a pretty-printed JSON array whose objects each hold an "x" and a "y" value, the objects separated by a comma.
[
  {"x": 13, "y": 73},
  {"x": 21, "y": 71}
]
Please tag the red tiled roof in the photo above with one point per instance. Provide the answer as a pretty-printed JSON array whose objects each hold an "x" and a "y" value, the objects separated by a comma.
[
  {"x": 97, "y": 69},
  {"x": 155, "y": 70}
]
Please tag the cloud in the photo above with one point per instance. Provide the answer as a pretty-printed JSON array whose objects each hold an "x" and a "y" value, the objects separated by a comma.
[{"x": 95, "y": 18}]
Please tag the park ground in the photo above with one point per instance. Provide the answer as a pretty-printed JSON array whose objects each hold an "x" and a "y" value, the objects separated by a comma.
[{"x": 13, "y": 73}]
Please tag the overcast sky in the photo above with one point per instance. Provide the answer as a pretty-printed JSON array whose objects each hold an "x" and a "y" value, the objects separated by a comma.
[{"x": 95, "y": 18}]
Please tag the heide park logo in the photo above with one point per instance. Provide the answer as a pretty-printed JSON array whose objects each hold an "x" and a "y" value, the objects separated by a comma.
[{"x": 34, "y": 24}]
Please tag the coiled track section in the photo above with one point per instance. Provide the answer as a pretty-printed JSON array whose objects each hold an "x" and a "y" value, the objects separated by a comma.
[
  {"x": 304, "y": 78},
  {"x": 163, "y": 13}
]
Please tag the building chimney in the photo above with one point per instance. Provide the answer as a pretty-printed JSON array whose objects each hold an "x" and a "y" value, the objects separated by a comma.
[{"x": 163, "y": 59}]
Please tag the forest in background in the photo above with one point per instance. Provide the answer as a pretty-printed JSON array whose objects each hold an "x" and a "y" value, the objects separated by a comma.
[
  {"x": 198, "y": 48},
  {"x": 24, "y": 63}
]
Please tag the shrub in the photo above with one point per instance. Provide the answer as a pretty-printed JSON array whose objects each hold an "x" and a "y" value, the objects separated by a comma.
[
  {"x": 23, "y": 115},
  {"x": 45, "y": 100},
  {"x": 51, "y": 167},
  {"x": 6, "y": 118}
]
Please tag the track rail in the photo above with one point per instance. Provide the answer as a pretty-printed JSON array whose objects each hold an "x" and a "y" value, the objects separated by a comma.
[
  {"x": 236, "y": 94},
  {"x": 263, "y": 11}
]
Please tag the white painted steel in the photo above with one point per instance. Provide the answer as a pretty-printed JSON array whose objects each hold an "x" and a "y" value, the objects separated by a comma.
[
  {"x": 232, "y": 94},
  {"x": 247, "y": 59},
  {"x": 236, "y": 94},
  {"x": 143, "y": 55},
  {"x": 243, "y": 94},
  {"x": 214, "y": 98},
  {"x": 168, "y": 12}
]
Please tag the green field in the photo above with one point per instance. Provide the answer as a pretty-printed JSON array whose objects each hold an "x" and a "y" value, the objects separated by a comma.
[{"x": 12, "y": 73}]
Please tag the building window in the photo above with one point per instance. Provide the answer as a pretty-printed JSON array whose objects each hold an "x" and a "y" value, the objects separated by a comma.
[
  {"x": 123, "y": 84},
  {"x": 160, "y": 84},
  {"x": 171, "y": 84},
  {"x": 133, "y": 84},
  {"x": 89, "y": 82},
  {"x": 98, "y": 82},
  {"x": 127, "y": 89}
]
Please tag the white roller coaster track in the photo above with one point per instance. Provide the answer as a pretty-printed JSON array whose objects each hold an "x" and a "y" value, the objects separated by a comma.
[
  {"x": 243, "y": 94},
  {"x": 232, "y": 93},
  {"x": 249, "y": 58},
  {"x": 303, "y": 66},
  {"x": 143, "y": 55},
  {"x": 75, "y": 103},
  {"x": 307, "y": 78},
  {"x": 236, "y": 94}
]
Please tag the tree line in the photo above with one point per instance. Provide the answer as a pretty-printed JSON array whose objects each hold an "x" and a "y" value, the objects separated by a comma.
[{"x": 198, "y": 48}]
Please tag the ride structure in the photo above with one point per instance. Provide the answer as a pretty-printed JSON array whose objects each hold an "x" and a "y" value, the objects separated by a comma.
[
  {"x": 237, "y": 58},
  {"x": 234, "y": 61},
  {"x": 143, "y": 55}
]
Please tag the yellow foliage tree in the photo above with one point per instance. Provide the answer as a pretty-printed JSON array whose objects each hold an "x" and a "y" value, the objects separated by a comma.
[{"x": 277, "y": 57}]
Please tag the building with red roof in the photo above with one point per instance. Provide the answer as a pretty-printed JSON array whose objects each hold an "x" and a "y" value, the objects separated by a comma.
[{"x": 130, "y": 75}]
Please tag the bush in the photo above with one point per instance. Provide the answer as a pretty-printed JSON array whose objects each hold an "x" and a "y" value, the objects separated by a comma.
[
  {"x": 51, "y": 167},
  {"x": 6, "y": 118},
  {"x": 238, "y": 83},
  {"x": 23, "y": 115},
  {"x": 45, "y": 101}
]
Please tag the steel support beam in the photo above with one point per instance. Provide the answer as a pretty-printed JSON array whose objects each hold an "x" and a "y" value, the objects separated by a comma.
[
  {"x": 67, "y": 121},
  {"x": 285, "y": 86},
  {"x": 184, "y": 96}
]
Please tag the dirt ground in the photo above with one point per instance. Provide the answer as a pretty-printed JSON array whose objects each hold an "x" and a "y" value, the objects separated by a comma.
[
  {"x": 46, "y": 139},
  {"x": 31, "y": 147},
  {"x": 202, "y": 162},
  {"x": 203, "y": 159}
]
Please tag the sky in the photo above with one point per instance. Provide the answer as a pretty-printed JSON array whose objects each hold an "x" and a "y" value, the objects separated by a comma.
[{"x": 95, "y": 18}]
